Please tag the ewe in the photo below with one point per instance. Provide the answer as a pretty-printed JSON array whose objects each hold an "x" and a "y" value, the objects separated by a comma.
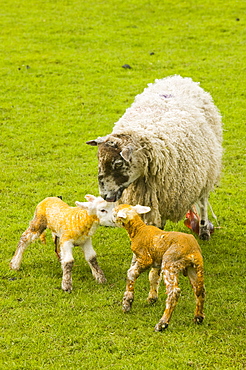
[
  {"x": 168, "y": 254},
  {"x": 70, "y": 226},
  {"x": 164, "y": 152}
]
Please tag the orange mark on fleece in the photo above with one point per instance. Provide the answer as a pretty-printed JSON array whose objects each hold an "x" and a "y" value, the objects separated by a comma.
[
  {"x": 150, "y": 243},
  {"x": 70, "y": 222}
]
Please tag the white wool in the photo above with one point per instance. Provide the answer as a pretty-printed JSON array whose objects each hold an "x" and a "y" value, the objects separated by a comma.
[{"x": 179, "y": 128}]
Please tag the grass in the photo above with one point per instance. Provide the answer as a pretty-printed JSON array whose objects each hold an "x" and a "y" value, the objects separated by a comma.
[{"x": 62, "y": 83}]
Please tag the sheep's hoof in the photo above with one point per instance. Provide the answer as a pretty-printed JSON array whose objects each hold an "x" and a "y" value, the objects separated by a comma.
[
  {"x": 161, "y": 326},
  {"x": 204, "y": 235},
  {"x": 198, "y": 319}
]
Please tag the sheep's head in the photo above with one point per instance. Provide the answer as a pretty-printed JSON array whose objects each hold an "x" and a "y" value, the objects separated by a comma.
[
  {"x": 118, "y": 165},
  {"x": 97, "y": 206},
  {"x": 123, "y": 213}
]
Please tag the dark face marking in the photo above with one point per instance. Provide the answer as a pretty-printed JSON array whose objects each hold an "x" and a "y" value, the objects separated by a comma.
[
  {"x": 118, "y": 165},
  {"x": 113, "y": 172}
]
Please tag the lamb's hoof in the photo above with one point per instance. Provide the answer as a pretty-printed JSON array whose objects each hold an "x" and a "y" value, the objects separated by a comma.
[
  {"x": 101, "y": 279},
  {"x": 127, "y": 305},
  {"x": 161, "y": 326},
  {"x": 67, "y": 290},
  {"x": 14, "y": 266},
  {"x": 198, "y": 319},
  {"x": 126, "y": 309},
  {"x": 152, "y": 300},
  {"x": 67, "y": 287}
]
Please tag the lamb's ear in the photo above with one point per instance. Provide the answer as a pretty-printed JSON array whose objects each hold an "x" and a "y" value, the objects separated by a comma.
[
  {"x": 122, "y": 214},
  {"x": 90, "y": 198},
  {"x": 97, "y": 141},
  {"x": 83, "y": 205},
  {"x": 126, "y": 153},
  {"x": 141, "y": 209},
  {"x": 86, "y": 205}
]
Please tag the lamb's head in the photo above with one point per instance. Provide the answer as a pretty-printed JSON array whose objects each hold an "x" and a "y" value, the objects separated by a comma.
[
  {"x": 124, "y": 213},
  {"x": 118, "y": 165},
  {"x": 99, "y": 207}
]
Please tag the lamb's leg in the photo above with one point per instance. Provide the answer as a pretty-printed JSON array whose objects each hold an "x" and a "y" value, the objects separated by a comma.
[
  {"x": 43, "y": 237},
  {"x": 170, "y": 275},
  {"x": 132, "y": 275},
  {"x": 32, "y": 233},
  {"x": 56, "y": 240},
  {"x": 91, "y": 258},
  {"x": 195, "y": 275},
  {"x": 154, "y": 279},
  {"x": 204, "y": 232},
  {"x": 133, "y": 259},
  {"x": 67, "y": 265}
]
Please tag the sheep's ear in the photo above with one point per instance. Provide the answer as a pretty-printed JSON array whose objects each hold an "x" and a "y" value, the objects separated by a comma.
[
  {"x": 83, "y": 205},
  {"x": 97, "y": 141},
  {"x": 90, "y": 198},
  {"x": 122, "y": 214},
  {"x": 126, "y": 153},
  {"x": 141, "y": 209}
]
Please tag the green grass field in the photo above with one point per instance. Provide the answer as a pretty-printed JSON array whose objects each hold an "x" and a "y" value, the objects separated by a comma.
[{"x": 62, "y": 83}]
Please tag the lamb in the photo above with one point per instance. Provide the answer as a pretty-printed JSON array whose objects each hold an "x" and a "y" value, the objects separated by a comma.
[
  {"x": 164, "y": 152},
  {"x": 70, "y": 226},
  {"x": 167, "y": 254}
]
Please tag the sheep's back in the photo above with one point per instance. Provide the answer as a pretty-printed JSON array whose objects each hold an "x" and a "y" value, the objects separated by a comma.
[{"x": 172, "y": 106}]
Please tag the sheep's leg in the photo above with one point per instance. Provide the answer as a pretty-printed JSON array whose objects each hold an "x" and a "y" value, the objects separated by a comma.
[
  {"x": 154, "y": 279},
  {"x": 195, "y": 275},
  {"x": 67, "y": 265},
  {"x": 163, "y": 223},
  {"x": 204, "y": 232},
  {"x": 170, "y": 275},
  {"x": 32, "y": 233},
  {"x": 91, "y": 258},
  {"x": 132, "y": 275}
]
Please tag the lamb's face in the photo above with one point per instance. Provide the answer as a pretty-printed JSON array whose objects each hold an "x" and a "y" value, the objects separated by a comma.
[
  {"x": 104, "y": 212},
  {"x": 124, "y": 213},
  {"x": 117, "y": 169},
  {"x": 97, "y": 206}
]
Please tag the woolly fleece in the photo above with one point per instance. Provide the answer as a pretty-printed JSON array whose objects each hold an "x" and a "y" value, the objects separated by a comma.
[{"x": 177, "y": 130}]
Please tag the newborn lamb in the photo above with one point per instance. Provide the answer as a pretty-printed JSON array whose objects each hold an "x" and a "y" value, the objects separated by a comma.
[
  {"x": 167, "y": 253},
  {"x": 70, "y": 226}
]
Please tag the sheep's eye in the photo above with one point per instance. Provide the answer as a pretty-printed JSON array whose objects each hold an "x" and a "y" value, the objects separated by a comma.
[
  {"x": 118, "y": 164},
  {"x": 103, "y": 211}
]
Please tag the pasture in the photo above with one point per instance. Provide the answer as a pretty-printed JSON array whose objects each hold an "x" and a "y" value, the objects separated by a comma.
[{"x": 62, "y": 83}]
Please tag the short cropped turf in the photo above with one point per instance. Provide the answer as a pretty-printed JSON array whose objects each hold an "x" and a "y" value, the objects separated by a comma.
[{"x": 62, "y": 83}]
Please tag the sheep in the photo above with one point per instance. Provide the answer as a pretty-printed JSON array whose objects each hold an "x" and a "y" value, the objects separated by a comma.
[
  {"x": 164, "y": 152},
  {"x": 70, "y": 226},
  {"x": 167, "y": 254}
]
